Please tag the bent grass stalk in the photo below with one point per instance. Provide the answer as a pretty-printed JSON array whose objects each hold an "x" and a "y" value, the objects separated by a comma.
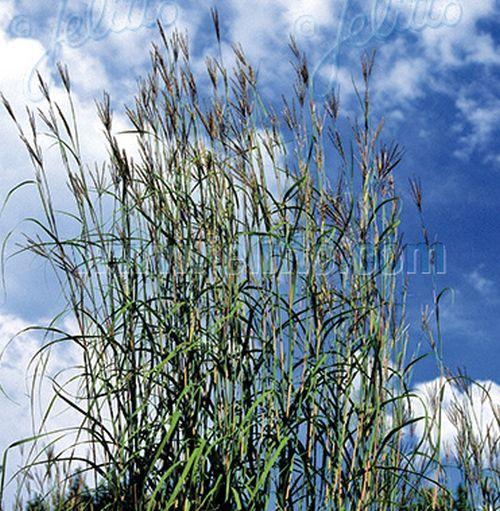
[{"x": 235, "y": 351}]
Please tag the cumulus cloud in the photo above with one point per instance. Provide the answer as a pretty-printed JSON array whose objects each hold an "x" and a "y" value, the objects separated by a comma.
[
  {"x": 481, "y": 114},
  {"x": 319, "y": 12},
  {"x": 421, "y": 42},
  {"x": 482, "y": 284},
  {"x": 264, "y": 27},
  {"x": 23, "y": 403},
  {"x": 465, "y": 43},
  {"x": 20, "y": 56},
  {"x": 400, "y": 76},
  {"x": 465, "y": 416}
]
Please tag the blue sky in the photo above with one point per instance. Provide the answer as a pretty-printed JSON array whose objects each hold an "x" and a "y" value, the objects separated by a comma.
[{"x": 437, "y": 83}]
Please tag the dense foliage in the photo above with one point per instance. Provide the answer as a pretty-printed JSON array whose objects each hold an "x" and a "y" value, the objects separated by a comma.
[{"x": 241, "y": 322}]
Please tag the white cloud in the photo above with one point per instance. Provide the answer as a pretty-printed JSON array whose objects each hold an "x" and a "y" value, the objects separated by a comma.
[
  {"x": 449, "y": 31},
  {"x": 340, "y": 78},
  {"x": 18, "y": 347},
  {"x": 459, "y": 318},
  {"x": 257, "y": 27},
  {"x": 484, "y": 50},
  {"x": 7, "y": 12},
  {"x": 481, "y": 115},
  {"x": 469, "y": 418},
  {"x": 319, "y": 12},
  {"x": 87, "y": 72},
  {"x": 19, "y": 57},
  {"x": 436, "y": 38},
  {"x": 480, "y": 283},
  {"x": 264, "y": 27},
  {"x": 124, "y": 36},
  {"x": 401, "y": 79},
  {"x": 463, "y": 42},
  {"x": 403, "y": 75}
]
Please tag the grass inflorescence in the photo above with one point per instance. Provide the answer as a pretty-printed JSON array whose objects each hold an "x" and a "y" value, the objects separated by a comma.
[{"x": 241, "y": 322}]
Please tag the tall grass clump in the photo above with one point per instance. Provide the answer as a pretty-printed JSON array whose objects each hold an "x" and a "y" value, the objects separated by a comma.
[{"x": 240, "y": 313}]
